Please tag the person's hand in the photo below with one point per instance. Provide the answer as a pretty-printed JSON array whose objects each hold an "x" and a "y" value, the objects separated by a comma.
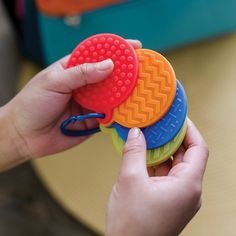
[
  {"x": 161, "y": 200},
  {"x": 37, "y": 112}
]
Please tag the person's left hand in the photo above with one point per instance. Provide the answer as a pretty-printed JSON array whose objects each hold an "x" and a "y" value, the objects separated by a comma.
[{"x": 37, "y": 112}]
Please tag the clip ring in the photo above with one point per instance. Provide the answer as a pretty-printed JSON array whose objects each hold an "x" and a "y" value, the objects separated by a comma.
[{"x": 73, "y": 119}]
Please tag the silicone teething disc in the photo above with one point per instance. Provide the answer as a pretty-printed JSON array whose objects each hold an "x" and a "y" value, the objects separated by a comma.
[
  {"x": 154, "y": 156},
  {"x": 153, "y": 94},
  {"x": 167, "y": 128},
  {"x": 103, "y": 97}
]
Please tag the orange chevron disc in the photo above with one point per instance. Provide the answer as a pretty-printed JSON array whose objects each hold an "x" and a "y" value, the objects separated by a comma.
[{"x": 153, "y": 94}]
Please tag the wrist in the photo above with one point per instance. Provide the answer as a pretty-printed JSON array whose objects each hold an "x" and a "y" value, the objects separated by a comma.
[{"x": 13, "y": 150}]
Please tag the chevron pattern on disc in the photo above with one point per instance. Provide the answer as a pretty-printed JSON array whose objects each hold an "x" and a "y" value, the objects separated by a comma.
[
  {"x": 154, "y": 156},
  {"x": 153, "y": 94},
  {"x": 161, "y": 132},
  {"x": 168, "y": 127}
]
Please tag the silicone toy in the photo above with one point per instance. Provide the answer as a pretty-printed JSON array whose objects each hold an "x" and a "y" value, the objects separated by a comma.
[
  {"x": 142, "y": 91},
  {"x": 165, "y": 129},
  {"x": 153, "y": 94},
  {"x": 103, "y": 97},
  {"x": 154, "y": 156}
]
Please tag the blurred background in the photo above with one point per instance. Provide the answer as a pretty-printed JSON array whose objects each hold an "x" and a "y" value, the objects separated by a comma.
[{"x": 58, "y": 195}]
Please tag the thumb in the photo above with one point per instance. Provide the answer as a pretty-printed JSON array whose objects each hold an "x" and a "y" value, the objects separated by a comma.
[
  {"x": 134, "y": 155},
  {"x": 78, "y": 76}
]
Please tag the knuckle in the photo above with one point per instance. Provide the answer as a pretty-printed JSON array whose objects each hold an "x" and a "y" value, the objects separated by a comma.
[
  {"x": 130, "y": 175},
  {"x": 49, "y": 79},
  {"x": 48, "y": 75},
  {"x": 199, "y": 205},
  {"x": 132, "y": 149},
  {"x": 192, "y": 197},
  {"x": 206, "y": 149},
  {"x": 84, "y": 69},
  {"x": 195, "y": 193},
  {"x": 127, "y": 180},
  {"x": 205, "y": 146},
  {"x": 83, "y": 72}
]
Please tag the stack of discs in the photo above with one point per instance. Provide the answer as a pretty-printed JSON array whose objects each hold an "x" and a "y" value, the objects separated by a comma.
[{"x": 141, "y": 92}]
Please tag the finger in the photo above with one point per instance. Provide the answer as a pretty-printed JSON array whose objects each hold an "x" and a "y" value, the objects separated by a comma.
[
  {"x": 196, "y": 154},
  {"x": 134, "y": 156},
  {"x": 66, "y": 81},
  {"x": 76, "y": 109},
  {"x": 62, "y": 63},
  {"x": 90, "y": 123},
  {"x": 164, "y": 168},
  {"x": 151, "y": 171},
  {"x": 179, "y": 155},
  {"x": 135, "y": 43}
]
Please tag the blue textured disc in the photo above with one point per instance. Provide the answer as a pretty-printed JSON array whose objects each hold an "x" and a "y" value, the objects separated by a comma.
[{"x": 166, "y": 128}]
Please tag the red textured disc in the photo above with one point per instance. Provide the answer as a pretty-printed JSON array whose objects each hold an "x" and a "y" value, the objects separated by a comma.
[{"x": 104, "y": 96}]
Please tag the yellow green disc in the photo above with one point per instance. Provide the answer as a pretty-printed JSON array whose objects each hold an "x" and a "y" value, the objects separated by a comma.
[{"x": 154, "y": 156}]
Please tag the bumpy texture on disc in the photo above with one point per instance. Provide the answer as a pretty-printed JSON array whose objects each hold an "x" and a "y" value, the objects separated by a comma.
[{"x": 103, "y": 97}]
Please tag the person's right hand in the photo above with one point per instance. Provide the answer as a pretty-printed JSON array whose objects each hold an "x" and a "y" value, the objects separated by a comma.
[{"x": 162, "y": 200}]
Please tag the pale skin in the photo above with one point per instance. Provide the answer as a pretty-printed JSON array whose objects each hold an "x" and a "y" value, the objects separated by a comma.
[
  {"x": 30, "y": 121},
  {"x": 30, "y": 129},
  {"x": 159, "y": 200}
]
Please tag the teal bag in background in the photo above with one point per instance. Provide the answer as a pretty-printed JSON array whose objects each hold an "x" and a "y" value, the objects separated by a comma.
[{"x": 160, "y": 24}]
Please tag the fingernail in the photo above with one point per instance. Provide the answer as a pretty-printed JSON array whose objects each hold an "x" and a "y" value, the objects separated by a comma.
[
  {"x": 104, "y": 65},
  {"x": 134, "y": 132},
  {"x": 136, "y": 41}
]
